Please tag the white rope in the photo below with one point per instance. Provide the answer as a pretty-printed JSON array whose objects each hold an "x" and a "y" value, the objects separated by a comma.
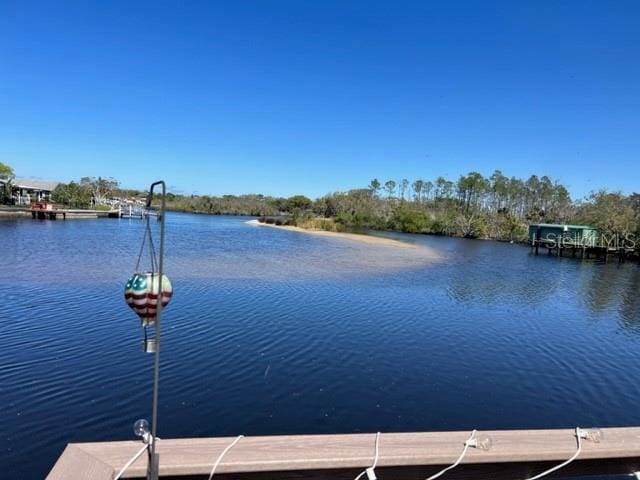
[
  {"x": 566, "y": 462},
  {"x": 370, "y": 471},
  {"x": 375, "y": 462},
  {"x": 457, "y": 462},
  {"x": 130, "y": 462},
  {"x": 224, "y": 452}
]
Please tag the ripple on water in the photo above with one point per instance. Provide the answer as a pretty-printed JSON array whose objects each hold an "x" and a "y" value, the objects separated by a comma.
[{"x": 279, "y": 332}]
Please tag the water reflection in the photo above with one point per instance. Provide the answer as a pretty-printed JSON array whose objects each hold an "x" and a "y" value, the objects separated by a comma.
[
  {"x": 507, "y": 273},
  {"x": 630, "y": 300}
]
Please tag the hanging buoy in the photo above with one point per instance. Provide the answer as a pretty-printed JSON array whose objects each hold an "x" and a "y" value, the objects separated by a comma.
[{"x": 141, "y": 293}]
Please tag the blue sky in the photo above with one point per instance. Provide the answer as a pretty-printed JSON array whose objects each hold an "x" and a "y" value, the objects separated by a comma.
[{"x": 286, "y": 97}]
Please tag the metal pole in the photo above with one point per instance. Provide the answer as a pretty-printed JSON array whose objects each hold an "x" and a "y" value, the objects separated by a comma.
[{"x": 154, "y": 458}]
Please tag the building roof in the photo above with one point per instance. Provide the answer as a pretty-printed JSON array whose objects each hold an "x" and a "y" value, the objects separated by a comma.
[
  {"x": 31, "y": 184},
  {"x": 560, "y": 225}
]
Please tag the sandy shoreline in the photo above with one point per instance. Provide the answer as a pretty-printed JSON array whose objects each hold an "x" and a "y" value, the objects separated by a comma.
[{"x": 349, "y": 236}]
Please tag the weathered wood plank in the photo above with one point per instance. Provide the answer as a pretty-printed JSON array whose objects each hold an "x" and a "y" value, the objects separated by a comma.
[
  {"x": 76, "y": 463},
  {"x": 314, "y": 456}
]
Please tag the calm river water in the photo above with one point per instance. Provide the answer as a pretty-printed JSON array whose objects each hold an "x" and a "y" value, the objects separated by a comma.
[{"x": 275, "y": 332}]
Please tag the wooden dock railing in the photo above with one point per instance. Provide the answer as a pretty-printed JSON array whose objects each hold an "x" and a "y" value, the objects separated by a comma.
[{"x": 515, "y": 454}]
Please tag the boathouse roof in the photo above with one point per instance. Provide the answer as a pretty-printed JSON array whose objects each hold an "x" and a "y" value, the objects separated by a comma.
[
  {"x": 30, "y": 184},
  {"x": 562, "y": 225}
]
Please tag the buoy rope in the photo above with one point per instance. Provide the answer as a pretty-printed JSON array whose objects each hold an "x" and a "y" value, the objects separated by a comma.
[
  {"x": 224, "y": 452},
  {"x": 144, "y": 239},
  {"x": 130, "y": 462},
  {"x": 370, "y": 472},
  {"x": 152, "y": 249},
  {"x": 565, "y": 463},
  {"x": 457, "y": 462}
]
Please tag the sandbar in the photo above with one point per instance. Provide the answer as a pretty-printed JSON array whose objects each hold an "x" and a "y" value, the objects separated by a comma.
[{"x": 349, "y": 236}]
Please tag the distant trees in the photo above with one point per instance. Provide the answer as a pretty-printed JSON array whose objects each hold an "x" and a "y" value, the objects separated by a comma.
[
  {"x": 496, "y": 206},
  {"x": 6, "y": 172},
  {"x": 358, "y": 208},
  {"x": 404, "y": 185},
  {"x": 417, "y": 190},
  {"x": 251, "y": 204},
  {"x": 390, "y": 188},
  {"x": 408, "y": 218},
  {"x": 100, "y": 188},
  {"x": 634, "y": 200},
  {"x": 7, "y": 176},
  {"x": 374, "y": 187},
  {"x": 611, "y": 212},
  {"x": 472, "y": 190},
  {"x": 72, "y": 194},
  {"x": 298, "y": 202},
  {"x": 88, "y": 192}
]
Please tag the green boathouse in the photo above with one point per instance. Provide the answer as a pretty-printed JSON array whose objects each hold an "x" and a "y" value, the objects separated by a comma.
[
  {"x": 574, "y": 235},
  {"x": 577, "y": 239}
]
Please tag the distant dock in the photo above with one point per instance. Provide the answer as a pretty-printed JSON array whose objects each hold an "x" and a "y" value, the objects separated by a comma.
[
  {"x": 45, "y": 211},
  {"x": 580, "y": 241},
  {"x": 68, "y": 213},
  {"x": 131, "y": 211},
  {"x": 55, "y": 213}
]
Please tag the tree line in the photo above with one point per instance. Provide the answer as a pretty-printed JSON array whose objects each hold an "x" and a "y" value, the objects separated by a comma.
[
  {"x": 89, "y": 192},
  {"x": 251, "y": 204},
  {"x": 475, "y": 206},
  {"x": 496, "y": 207},
  {"x": 92, "y": 192}
]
